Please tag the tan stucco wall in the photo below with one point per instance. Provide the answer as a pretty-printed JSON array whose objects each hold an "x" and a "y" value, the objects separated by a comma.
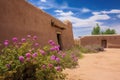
[
  {"x": 113, "y": 41},
  {"x": 68, "y": 37},
  {"x": 19, "y": 18}
]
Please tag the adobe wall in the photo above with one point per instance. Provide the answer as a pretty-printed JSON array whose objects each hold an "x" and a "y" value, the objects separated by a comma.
[
  {"x": 113, "y": 41},
  {"x": 19, "y": 18},
  {"x": 68, "y": 35}
]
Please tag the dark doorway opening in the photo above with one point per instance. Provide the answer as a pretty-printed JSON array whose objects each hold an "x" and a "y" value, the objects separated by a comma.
[
  {"x": 104, "y": 43},
  {"x": 59, "y": 40}
]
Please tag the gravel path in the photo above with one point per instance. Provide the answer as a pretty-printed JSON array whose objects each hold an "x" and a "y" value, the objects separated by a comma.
[{"x": 98, "y": 66}]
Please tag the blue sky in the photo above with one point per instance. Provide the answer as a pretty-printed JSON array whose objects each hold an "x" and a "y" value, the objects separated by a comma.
[{"x": 84, "y": 14}]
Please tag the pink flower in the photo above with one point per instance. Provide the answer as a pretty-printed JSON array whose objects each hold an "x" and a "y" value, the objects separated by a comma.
[
  {"x": 42, "y": 52},
  {"x": 28, "y": 59},
  {"x": 51, "y": 42},
  {"x": 43, "y": 66},
  {"x": 8, "y": 66},
  {"x": 28, "y": 55},
  {"x": 50, "y": 65},
  {"x": 21, "y": 58},
  {"x": 34, "y": 37},
  {"x": 58, "y": 68},
  {"x": 6, "y": 42},
  {"x": 23, "y": 39},
  {"x": 19, "y": 43},
  {"x": 52, "y": 49},
  {"x": 75, "y": 59},
  {"x": 53, "y": 57},
  {"x": 57, "y": 59},
  {"x": 63, "y": 55},
  {"x": 34, "y": 55},
  {"x": 36, "y": 44},
  {"x": 55, "y": 48},
  {"x": 28, "y": 36},
  {"x": 15, "y": 39}
]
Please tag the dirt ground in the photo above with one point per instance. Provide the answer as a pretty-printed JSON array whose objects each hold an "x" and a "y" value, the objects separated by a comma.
[{"x": 97, "y": 66}]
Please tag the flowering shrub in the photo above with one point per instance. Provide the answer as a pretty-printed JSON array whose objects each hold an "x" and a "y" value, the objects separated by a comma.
[{"x": 25, "y": 60}]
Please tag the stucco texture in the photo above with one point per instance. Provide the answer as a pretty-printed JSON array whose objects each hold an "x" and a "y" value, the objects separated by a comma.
[
  {"x": 112, "y": 41},
  {"x": 19, "y": 18}
]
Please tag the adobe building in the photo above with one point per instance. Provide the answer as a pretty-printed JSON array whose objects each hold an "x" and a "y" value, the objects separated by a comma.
[
  {"x": 106, "y": 41},
  {"x": 19, "y": 18}
]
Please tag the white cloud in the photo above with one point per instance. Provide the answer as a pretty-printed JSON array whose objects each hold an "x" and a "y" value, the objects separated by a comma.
[
  {"x": 96, "y": 13},
  {"x": 78, "y": 22},
  {"x": 61, "y": 13},
  {"x": 113, "y": 11},
  {"x": 113, "y": 26},
  {"x": 58, "y": 11},
  {"x": 99, "y": 17},
  {"x": 51, "y": 4},
  {"x": 118, "y": 16},
  {"x": 85, "y": 10},
  {"x": 43, "y": 0}
]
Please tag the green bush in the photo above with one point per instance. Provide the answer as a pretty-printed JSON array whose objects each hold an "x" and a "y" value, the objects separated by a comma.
[
  {"x": 25, "y": 60},
  {"x": 89, "y": 48}
]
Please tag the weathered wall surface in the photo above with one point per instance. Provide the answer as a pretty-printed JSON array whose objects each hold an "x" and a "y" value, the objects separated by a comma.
[
  {"x": 113, "y": 41},
  {"x": 68, "y": 35},
  {"x": 19, "y": 18}
]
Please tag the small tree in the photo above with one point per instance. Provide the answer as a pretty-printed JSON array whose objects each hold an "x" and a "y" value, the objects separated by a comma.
[
  {"x": 109, "y": 31},
  {"x": 96, "y": 30}
]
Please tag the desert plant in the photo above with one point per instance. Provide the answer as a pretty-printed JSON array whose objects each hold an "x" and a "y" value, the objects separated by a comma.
[
  {"x": 25, "y": 60},
  {"x": 93, "y": 48},
  {"x": 87, "y": 49}
]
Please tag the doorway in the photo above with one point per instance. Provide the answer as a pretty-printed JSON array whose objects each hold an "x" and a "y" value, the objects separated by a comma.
[
  {"x": 104, "y": 43},
  {"x": 59, "y": 40}
]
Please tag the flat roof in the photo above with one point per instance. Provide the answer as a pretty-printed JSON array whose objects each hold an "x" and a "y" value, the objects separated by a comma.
[{"x": 100, "y": 35}]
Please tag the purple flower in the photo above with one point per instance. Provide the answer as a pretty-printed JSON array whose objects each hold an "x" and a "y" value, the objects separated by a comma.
[
  {"x": 57, "y": 59},
  {"x": 15, "y": 39},
  {"x": 28, "y": 55},
  {"x": 53, "y": 57},
  {"x": 28, "y": 36},
  {"x": 52, "y": 49},
  {"x": 23, "y": 39},
  {"x": 30, "y": 50},
  {"x": 55, "y": 48},
  {"x": 21, "y": 58},
  {"x": 19, "y": 43},
  {"x": 36, "y": 44},
  {"x": 75, "y": 59},
  {"x": 50, "y": 65},
  {"x": 59, "y": 52},
  {"x": 51, "y": 42},
  {"x": 58, "y": 68},
  {"x": 6, "y": 42},
  {"x": 43, "y": 66},
  {"x": 63, "y": 55},
  {"x": 8, "y": 66},
  {"x": 28, "y": 59},
  {"x": 34, "y": 55},
  {"x": 42, "y": 52},
  {"x": 34, "y": 37}
]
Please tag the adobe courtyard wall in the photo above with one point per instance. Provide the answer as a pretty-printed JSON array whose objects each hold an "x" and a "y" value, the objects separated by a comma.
[
  {"x": 113, "y": 41},
  {"x": 18, "y": 18}
]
